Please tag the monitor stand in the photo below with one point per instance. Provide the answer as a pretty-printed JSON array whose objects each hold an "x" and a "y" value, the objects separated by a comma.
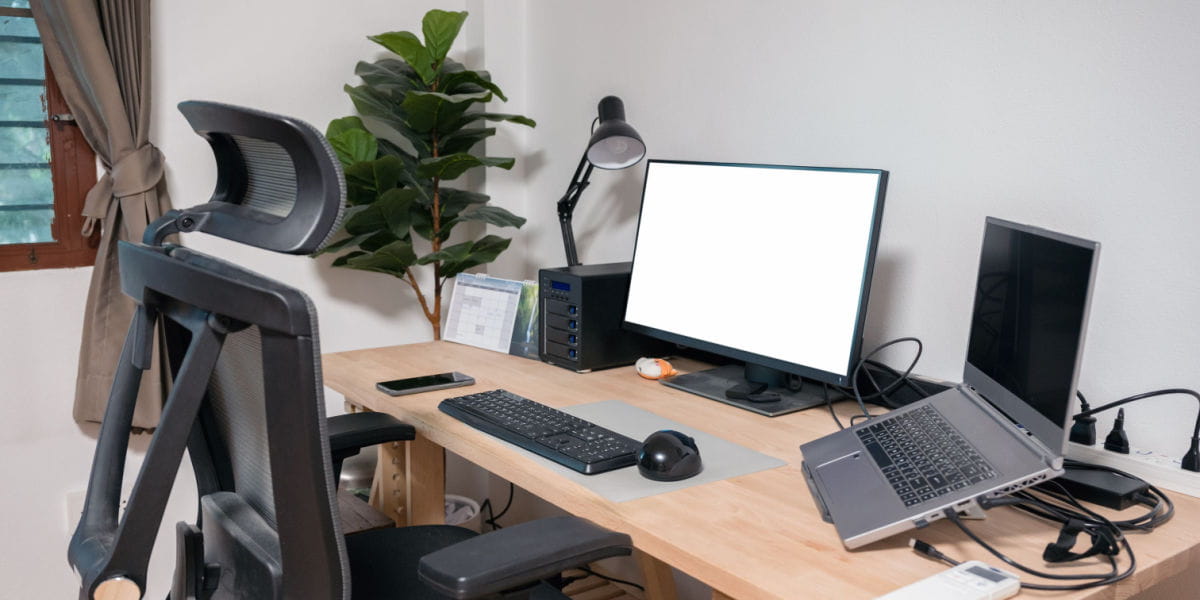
[{"x": 753, "y": 388}]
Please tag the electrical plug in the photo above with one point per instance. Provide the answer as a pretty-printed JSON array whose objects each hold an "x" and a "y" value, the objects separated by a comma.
[
  {"x": 1117, "y": 441},
  {"x": 1191, "y": 460},
  {"x": 1083, "y": 431}
]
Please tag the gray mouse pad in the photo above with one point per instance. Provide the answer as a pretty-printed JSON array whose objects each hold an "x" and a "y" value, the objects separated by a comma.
[{"x": 722, "y": 459}]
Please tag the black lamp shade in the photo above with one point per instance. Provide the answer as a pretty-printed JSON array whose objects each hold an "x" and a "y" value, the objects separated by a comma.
[{"x": 615, "y": 143}]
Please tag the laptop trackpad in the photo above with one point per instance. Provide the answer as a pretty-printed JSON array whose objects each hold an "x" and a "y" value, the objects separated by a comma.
[{"x": 858, "y": 495}]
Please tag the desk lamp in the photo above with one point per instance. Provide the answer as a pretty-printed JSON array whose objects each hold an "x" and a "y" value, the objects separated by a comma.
[{"x": 614, "y": 145}]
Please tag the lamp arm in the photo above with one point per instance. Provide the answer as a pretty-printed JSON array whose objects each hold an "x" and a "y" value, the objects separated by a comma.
[{"x": 566, "y": 207}]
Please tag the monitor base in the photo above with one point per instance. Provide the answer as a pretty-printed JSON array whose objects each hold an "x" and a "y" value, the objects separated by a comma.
[{"x": 713, "y": 383}]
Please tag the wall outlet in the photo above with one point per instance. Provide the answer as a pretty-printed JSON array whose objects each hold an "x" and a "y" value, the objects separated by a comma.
[{"x": 1159, "y": 469}]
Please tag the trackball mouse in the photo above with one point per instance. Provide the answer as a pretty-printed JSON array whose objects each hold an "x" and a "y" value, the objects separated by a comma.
[{"x": 668, "y": 455}]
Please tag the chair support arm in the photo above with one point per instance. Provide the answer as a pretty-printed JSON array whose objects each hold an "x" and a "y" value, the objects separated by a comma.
[
  {"x": 352, "y": 432},
  {"x": 516, "y": 556}
]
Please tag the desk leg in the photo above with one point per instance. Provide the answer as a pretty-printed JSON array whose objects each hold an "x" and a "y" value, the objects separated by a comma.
[
  {"x": 719, "y": 596},
  {"x": 660, "y": 581},
  {"x": 426, "y": 482},
  {"x": 388, "y": 493}
]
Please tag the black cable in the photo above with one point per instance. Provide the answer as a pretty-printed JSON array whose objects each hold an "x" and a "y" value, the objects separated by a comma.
[
  {"x": 880, "y": 392},
  {"x": 928, "y": 550},
  {"x": 1098, "y": 579},
  {"x": 909, "y": 381},
  {"x": 829, "y": 405},
  {"x": 1143, "y": 395},
  {"x": 1060, "y": 506},
  {"x": 1161, "y": 511},
  {"x": 492, "y": 517},
  {"x": 612, "y": 579}
]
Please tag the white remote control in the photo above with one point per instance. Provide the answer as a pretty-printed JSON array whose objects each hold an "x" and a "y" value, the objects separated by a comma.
[{"x": 971, "y": 580}]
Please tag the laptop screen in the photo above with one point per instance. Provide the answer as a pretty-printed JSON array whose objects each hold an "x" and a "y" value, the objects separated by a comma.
[{"x": 1028, "y": 322}]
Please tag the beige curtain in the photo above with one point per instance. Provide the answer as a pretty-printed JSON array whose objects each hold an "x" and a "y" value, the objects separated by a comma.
[{"x": 99, "y": 52}]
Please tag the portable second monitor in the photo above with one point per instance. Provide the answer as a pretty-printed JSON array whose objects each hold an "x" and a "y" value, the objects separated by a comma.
[{"x": 769, "y": 265}]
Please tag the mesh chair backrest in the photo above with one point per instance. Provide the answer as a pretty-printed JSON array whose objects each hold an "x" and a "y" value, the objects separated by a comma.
[
  {"x": 279, "y": 183},
  {"x": 237, "y": 399},
  {"x": 263, "y": 418}
]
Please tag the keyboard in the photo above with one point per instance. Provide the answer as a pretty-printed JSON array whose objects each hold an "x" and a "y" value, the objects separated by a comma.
[
  {"x": 569, "y": 441},
  {"x": 923, "y": 456}
]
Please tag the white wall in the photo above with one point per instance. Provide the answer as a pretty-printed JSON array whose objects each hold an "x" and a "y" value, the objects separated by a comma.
[{"x": 1077, "y": 116}]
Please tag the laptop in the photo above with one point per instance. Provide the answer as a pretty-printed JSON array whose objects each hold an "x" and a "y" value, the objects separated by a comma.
[{"x": 1003, "y": 429}]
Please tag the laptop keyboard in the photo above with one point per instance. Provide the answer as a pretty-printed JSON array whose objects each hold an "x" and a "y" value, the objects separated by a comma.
[{"x": 922, "y": 456}]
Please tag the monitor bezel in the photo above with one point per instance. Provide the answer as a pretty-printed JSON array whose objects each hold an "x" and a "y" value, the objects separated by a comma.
[
  {"x": 747, "y": 356},
  {"x": 1052, "y": 435}
]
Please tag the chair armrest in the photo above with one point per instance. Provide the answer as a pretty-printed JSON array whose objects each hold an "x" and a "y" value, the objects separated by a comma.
[
  {"x": 519, "y": 555},
  {"x": 351, "y": 432}
]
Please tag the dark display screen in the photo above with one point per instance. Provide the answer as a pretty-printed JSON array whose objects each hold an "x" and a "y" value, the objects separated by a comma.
[
  {"x": 1026, "y": 327},
  {"x": 558, "y": 285}
]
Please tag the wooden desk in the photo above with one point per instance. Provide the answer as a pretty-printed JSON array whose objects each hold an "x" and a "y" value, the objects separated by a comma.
[{"x": 755, "y": 536}]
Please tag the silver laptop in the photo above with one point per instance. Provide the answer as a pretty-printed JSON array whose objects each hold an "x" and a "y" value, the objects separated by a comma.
[{"x": 1002, "y": 429}]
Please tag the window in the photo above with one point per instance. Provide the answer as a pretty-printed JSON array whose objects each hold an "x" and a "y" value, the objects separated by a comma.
[{"x": 46, "y": 167}]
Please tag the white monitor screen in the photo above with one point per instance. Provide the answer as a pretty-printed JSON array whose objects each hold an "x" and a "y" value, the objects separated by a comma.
[{"x": 765, "y": 264}]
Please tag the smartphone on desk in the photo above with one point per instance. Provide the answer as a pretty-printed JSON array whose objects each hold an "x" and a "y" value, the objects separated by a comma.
[{"x": 424, "y": 383}]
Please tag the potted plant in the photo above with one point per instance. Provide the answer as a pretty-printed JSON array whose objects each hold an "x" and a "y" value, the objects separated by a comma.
[{"x": 401, "y": 209}]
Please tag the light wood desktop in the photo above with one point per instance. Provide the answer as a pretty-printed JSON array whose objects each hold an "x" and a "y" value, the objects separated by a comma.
[{"x": 755, "y": 536}]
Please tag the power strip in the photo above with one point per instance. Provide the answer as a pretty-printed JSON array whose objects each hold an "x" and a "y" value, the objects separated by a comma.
[{"x": 1159, "y": 469}]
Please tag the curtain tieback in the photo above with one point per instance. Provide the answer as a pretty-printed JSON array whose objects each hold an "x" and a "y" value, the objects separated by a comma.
[{"x": 134, "y": 173}]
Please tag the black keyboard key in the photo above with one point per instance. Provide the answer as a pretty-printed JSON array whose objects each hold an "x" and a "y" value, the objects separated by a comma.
[{"x": 881, "y": 457}]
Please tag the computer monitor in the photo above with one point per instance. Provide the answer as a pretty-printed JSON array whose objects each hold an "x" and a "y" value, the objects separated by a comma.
[{"x": 764, "y": 264}]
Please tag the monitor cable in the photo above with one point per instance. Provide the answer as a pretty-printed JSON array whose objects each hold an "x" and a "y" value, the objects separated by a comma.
[{"x": 881, "y": 391}]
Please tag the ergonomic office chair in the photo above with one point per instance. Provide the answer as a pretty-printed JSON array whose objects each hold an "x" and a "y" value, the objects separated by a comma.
[{"x": 246, "y": 400}]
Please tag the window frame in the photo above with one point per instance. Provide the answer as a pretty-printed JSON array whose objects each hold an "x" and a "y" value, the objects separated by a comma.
[{"x": 72, "y": 173}]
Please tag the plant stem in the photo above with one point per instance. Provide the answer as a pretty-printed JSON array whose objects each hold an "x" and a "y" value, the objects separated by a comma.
[
  {"x": 436, "y": 320},
  {"x": 430, "y": 316}
]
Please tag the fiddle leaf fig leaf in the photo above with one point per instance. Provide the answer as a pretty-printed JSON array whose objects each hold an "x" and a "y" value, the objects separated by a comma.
[
  {"x": 463, "y": 139},
  {"x": 518, "y": 119},
  {"x": 434, "y": 110},
  {"x": 393, "y": 259},
  {"x": 345, "y": 258},
  {"x": 344, "y": 124},
  {"x": 378, "y": 105},
  {"x": 470, "y": 81},
  {"x": 340, "y": 244},
  {"x": 483, "y": 251},
  {"x": 450, "y": 167},
  {"x": 441, "y": 28},
  {"x": 353, "y": 146},
  {"x": 454, "y": 200},
  {"x": 411, "y": 50},
  {"x": 493, "y": 215},
  {"x": 396, "y": 209},
  {"x": 369, "y": 222},
  {"x": 390, "y": 74},
  {"x": 457, "y": 252},
  {"x": 422, "y": 221}
]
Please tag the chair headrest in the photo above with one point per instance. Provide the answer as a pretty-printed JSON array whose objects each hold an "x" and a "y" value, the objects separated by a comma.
[{"x": 279, "y": 183}]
